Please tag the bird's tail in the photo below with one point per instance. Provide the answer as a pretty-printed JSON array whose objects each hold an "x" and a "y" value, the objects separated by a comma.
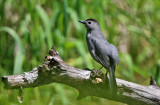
[{"x": 112, "y": 81}]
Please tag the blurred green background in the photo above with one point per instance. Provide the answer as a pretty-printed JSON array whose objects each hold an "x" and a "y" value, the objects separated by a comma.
[{"x": 28, "y": 29}]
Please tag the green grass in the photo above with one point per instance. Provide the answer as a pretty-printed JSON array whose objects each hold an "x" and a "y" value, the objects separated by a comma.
[{"x": 28, "y": 29}]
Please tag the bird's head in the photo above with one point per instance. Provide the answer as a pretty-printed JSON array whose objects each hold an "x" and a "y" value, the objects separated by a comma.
[{"x": 90, "y": 24}]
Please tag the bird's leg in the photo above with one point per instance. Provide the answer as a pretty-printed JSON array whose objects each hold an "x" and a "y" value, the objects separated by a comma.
[
  {"x": 100, "y": 68},
  {"x": 106, "y": 73}
]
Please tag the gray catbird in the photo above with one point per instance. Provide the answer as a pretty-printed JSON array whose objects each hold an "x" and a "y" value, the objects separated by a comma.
[{"x": 103, "y": 52}]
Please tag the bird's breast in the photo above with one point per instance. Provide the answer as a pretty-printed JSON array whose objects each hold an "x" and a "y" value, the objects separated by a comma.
[{"x": 91, "y": 47}]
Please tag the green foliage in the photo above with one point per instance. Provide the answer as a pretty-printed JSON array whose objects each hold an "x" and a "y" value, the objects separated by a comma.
[{"x": 28, "y": 29}]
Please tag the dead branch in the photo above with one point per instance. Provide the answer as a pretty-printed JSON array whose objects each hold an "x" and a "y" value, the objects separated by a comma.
[{"x": 87, "y": 82}]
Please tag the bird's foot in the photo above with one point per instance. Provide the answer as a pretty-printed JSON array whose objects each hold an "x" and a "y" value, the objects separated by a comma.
[{"x": 87, "y": 69}]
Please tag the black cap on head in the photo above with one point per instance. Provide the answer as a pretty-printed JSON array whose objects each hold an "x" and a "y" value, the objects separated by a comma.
[{"x": 92, "y": 20}]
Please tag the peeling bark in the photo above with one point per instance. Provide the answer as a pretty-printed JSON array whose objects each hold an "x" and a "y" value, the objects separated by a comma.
[{"x": 87, "y": 82}]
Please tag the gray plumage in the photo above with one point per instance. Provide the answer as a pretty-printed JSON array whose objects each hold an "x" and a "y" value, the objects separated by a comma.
[{"x": 102, "y": 51}]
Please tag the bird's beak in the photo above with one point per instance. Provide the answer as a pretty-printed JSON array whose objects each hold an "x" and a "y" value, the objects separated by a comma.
[{"x": 81, "y": 21}]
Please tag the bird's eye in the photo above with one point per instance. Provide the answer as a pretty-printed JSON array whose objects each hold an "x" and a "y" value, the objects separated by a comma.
[{"x": 89, "y": 22}]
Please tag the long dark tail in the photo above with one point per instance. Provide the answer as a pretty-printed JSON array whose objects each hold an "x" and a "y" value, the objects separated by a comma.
[{"x": 112, "y": 81}]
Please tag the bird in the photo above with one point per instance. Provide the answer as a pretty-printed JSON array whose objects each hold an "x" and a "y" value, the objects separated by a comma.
[{"x": 102, "y": 51}]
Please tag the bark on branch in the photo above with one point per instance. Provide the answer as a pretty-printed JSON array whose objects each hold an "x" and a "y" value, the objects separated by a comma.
[{"x": 87, "y": 82}]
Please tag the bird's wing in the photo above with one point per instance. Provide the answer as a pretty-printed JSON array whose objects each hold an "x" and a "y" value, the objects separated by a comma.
[
  {"x": 94, "y": 51},
  {"x": 102, "y": 53},
  {"x": 106, "y": 53},
  {"x": 115, "y": 54}
]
